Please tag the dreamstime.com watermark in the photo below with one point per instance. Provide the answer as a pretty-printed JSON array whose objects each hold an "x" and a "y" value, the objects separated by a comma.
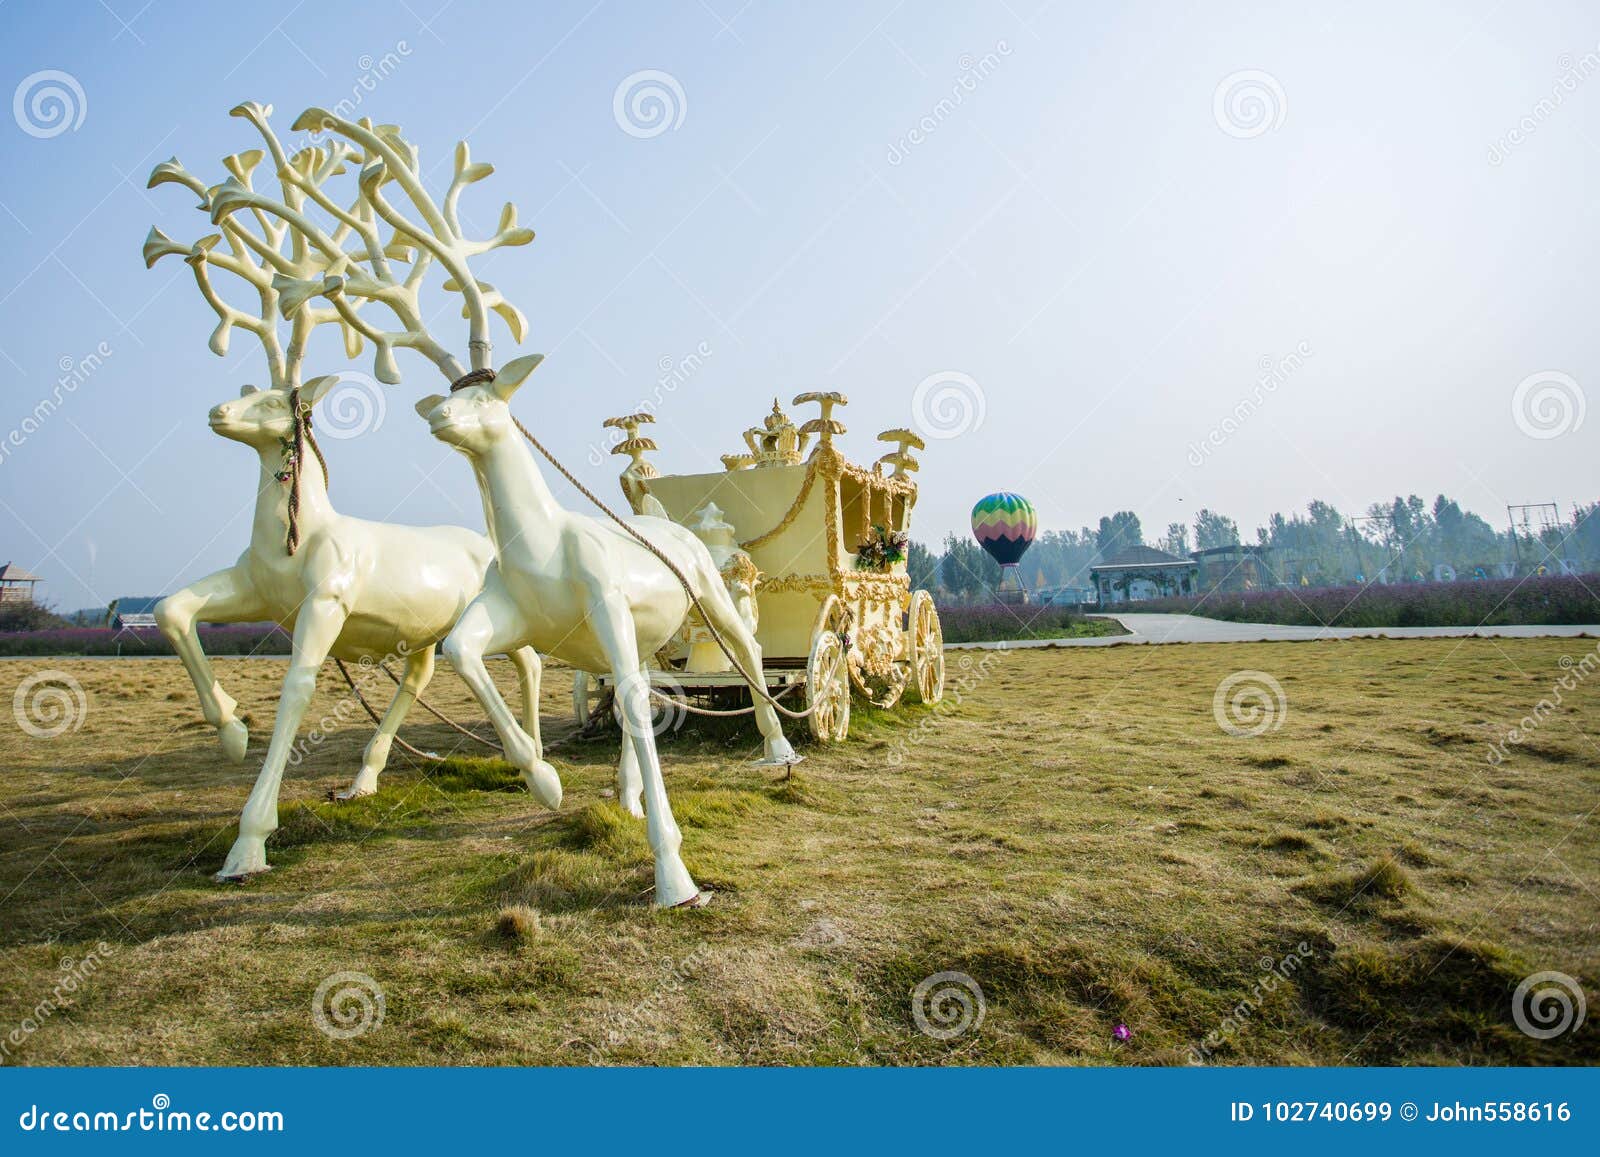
[
  {"x": 1249, "y": 103},
  {"x": 674, "y": 372},
  {"x": 1573, "y": 73},
  {"x": 369, "y": 676},
  {"x": 1249, "y": 703},
  {"x": 75, "y": 974},
  {"x": 49, "y": 703},
  {"x": 48, "y": 103},
  {"x": 947, "y": 1005},
  {"x": 1548, "y": 1004},
  {"x": 648, "y": 103},
  {"x": 1273, "y": 374},
  {"x": 947, "y": 405},
  {"x": 962, "y": 678},
  {"x": 371, "y": 72},
  {"x": 347, "y": 1005},
  {"x": 674, "y": 975},
  {"x": 160, "y": 1117},
  {"x": 74, "y": 372},
  {"x": 354, "y": 406},
  {"x": 973, "y": 72},
  {"x": 1548, "y": 404},
  {"x": 1576, "y": 671},
  {"x": 1274, "y": 973}
]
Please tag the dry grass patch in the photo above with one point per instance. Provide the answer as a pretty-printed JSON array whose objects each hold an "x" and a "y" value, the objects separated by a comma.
[{"x": 1076, "y": 834}]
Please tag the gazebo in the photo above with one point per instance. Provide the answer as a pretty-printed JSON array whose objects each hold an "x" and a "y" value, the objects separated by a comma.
[
  {"x": 16, "y": 584},
  {"x": 1143, "y": 572}
]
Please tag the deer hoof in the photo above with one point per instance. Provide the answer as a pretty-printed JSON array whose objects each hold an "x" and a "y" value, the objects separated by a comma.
[
  {"x": 363, "y": 785},
  {"x": 247, "y": 858},
  {"x": 544, "y": 783},
  {"x": 235, "y": 737}
]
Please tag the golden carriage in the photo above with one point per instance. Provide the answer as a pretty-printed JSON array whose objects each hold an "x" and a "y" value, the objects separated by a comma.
[{"x": 813, "y": 551}]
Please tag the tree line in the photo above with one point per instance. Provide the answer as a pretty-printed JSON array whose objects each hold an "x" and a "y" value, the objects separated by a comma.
[{"x": 1406, "y": 540}]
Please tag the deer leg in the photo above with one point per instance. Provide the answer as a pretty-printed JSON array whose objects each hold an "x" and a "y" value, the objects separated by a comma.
[
  {"x": 493, "y": 623},
  {"x": 223, "y": 597},
  {"x": 630, "y": 785},
  {"x": 419, "y": 669},
  {"x": 529, "y": 672},
  {"x": 612, "y": 623},
  {"x": 718, "y": 607},
  {"x": 315, "y": 631}
]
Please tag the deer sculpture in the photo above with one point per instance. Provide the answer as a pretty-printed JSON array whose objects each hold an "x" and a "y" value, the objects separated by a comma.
[
  {"x": 580, "y": 588},
  {"x": 349, "y": 588}
]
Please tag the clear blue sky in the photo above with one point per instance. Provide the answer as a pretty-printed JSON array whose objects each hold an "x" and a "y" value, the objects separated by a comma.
[{"x": 1102, "y": 248}]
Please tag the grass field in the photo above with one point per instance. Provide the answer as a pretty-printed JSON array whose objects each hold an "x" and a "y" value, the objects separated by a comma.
[{"x": 1077, "y": 834}]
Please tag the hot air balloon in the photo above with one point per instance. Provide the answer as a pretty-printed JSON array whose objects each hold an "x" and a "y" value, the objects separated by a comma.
[{"x": 1004, "y": 525}]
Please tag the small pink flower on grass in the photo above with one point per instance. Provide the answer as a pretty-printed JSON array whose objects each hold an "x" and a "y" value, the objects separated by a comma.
[{"x": 1122, "y": 1032}]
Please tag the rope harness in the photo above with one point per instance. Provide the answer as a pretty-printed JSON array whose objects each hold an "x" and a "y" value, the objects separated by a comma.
[
  {"x": 757, "y": 686},
  {"x": 301, "y": 437}
]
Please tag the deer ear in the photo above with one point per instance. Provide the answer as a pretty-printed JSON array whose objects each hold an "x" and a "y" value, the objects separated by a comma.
[
  {"x": 246, "y": 390},
  {"x": 317, "y": 388},
  {"x": 515, "y": 373},
  {"x": 428, "y": 405}
]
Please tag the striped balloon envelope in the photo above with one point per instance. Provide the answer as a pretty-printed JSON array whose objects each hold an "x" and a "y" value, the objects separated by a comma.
[{"x": 1004, "y": 525}]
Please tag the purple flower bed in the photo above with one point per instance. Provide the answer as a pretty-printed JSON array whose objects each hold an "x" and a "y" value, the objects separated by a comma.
[
  {"x": 1551, "y": 600},
  {"x": 243, "y": 639},
  {"x": 984, "y": 624}
]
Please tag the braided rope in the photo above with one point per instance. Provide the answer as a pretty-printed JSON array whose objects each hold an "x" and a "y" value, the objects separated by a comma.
[
  {"x": 362, "y": 699},
  {"x": 303, "y": 436},
  {"x": 685, "y": 705},
  {"x": 440, "y": 715}
]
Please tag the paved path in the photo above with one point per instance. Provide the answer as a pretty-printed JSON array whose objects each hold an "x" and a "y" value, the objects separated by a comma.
[{"x": 1195, "y": 629}]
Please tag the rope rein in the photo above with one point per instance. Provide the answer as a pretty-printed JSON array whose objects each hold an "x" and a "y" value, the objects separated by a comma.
[
  {"x": 301, "y": 437},
  {"x": 757, "y": 686}
]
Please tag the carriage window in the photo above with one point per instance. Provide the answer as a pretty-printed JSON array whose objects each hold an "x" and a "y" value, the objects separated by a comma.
[{"x": 854, "y": 520}]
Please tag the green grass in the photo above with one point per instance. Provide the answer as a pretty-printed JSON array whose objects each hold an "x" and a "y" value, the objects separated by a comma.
[{"x": 1076, "y": 834}]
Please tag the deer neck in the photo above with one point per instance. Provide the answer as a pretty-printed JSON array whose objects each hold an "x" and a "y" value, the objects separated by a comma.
[
  {"x": 270, "y": 527},
  {"x": 516, "y": 501}
]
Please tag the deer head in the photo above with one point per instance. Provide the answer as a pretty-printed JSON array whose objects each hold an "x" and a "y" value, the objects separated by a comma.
[
  {"x": 263, "y": 419},
  {"x": 476, "y": 417}
]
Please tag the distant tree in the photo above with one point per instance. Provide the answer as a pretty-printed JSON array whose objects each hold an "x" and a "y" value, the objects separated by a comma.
[
  {"x": 1586, "y": 537},
  {"x": 1064, "y": 556},
  {"x": 29, "y": 616},
  {"x": 966, "y": 568},
  {"x": 923, "y": 567},
  {"x": 1118, "y": 532},
  {"x": 1213, "y": 530},
  {"x": 1176, "y": 540}
]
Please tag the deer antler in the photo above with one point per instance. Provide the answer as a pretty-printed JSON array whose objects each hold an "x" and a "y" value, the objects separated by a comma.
[
  {"x": 387, "y": 157},
  {"x": 258, "y": 258}
]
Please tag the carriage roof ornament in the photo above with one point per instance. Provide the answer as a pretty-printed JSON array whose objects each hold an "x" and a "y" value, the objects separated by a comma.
[
  {"x": 901, "y": 458},
  {"x": 636, "y": 475},
  {"x": 826, "y": 426},
  {"x": 776, "y": 442}
]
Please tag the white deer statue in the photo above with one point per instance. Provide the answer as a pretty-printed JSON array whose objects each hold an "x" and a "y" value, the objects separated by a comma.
[
  {"x": 579, "y": 588},
  {"x": 348, "y": 588}
]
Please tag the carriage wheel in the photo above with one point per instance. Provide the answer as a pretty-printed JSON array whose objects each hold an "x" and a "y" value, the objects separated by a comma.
[
  {"x": 926, "y": 648},
  {"x": 828, "y": 688}
]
